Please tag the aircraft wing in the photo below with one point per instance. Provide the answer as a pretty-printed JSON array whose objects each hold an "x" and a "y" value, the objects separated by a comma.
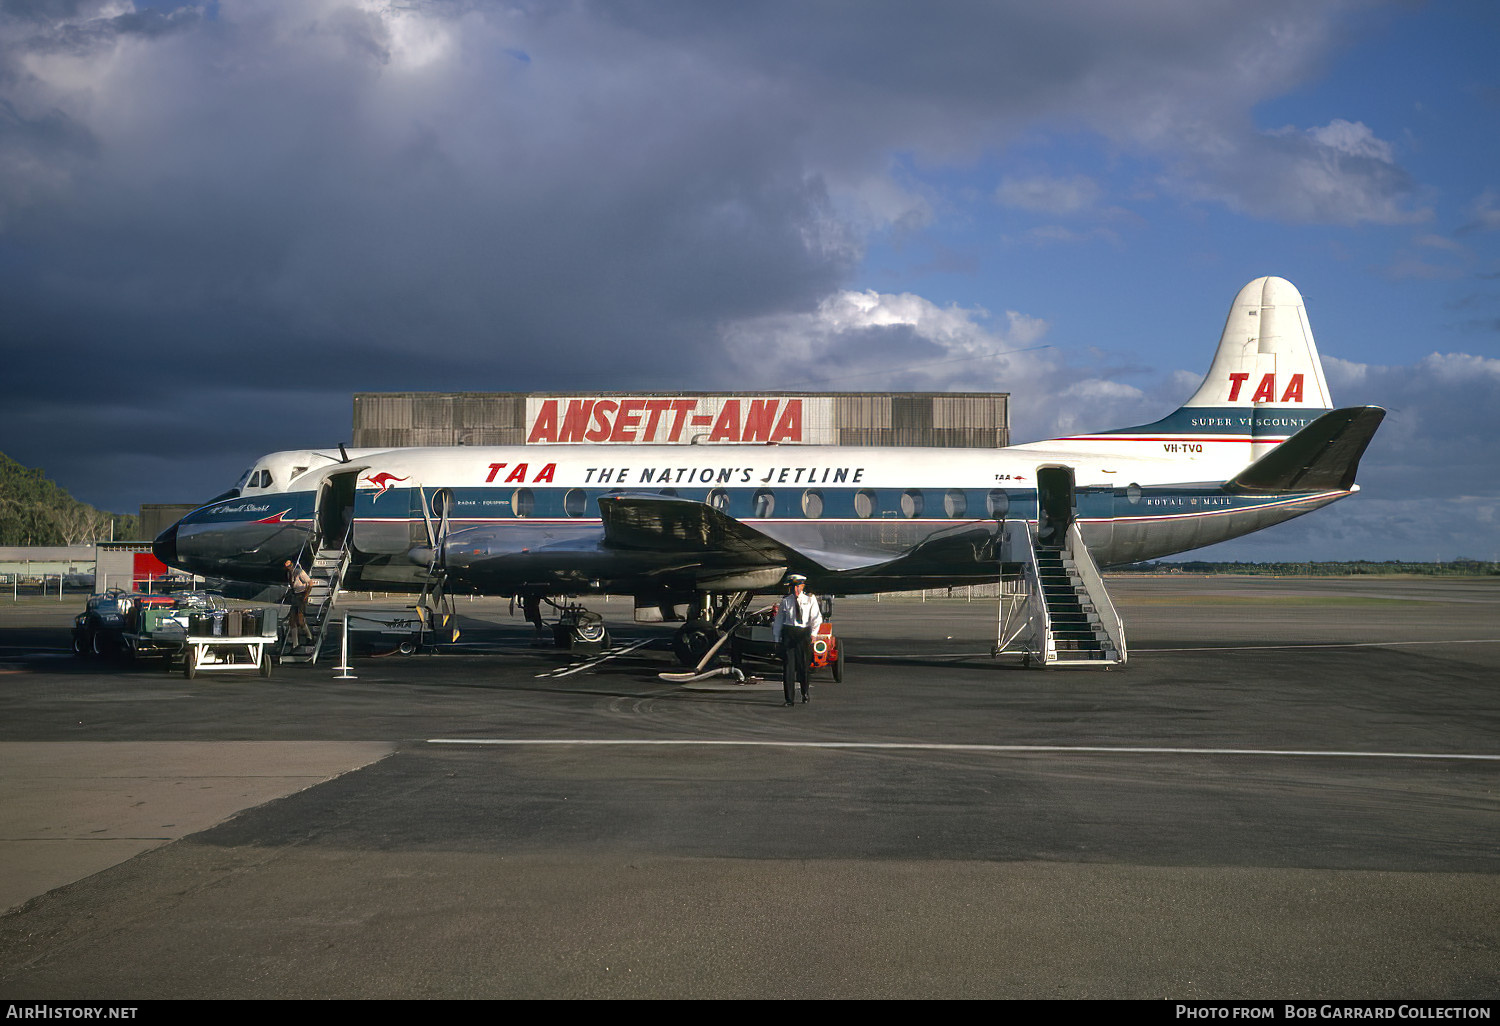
[
  {"x": 686, "y": 527},
  {"x": 1322, "y": 457}
]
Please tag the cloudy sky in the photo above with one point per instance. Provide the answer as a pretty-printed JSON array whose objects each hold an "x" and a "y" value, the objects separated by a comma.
[{"x": 217, "y": 221}]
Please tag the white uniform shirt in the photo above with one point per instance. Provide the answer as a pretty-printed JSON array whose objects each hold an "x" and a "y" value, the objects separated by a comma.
[{"x": 797, "y": 610}]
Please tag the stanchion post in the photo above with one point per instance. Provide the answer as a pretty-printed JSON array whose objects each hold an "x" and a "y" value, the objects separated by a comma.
[{"x": 344, "y": 673}]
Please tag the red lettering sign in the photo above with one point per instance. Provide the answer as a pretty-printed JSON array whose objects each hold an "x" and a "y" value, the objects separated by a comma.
[
  {"x": 642, "y": 420},
  {"x": 727, "y": 427},
  {"x": 575, "y": 420},
  {"x": 760, "y": 419},
  {"x": 543, "y": 476},
  {"x": 602, "y": 410},
  {"x": 545, "y": 428},
  {"x": 628, "y": 422},
  {"x": 789, "y": 427}
]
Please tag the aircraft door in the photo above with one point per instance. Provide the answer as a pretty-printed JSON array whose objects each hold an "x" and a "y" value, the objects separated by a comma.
[
  {"x": 1056, "y": 504},
  {"x": 419, "y": 533},
  {"x": 335, "y": 514}
]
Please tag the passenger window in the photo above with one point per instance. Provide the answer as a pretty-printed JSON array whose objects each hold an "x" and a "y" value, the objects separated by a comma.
[
  {"x": 911, "y": 504},
  {"x": 575, "y": 502},
  {"x": 956, "y": 504},
  {"x": 523, "y": 502},
  {"x": 719, "y": 499},
  {"x": 865, "y": 504},
  {"x": 812, "y": 504},
  {"x": 669, "y": 492},
  {"x": 997, "y": 503},
  {"x": 765, "y": 502}
]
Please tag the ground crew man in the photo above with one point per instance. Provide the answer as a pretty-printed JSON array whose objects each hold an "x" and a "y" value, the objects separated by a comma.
[{"x": 797, "y": 618}]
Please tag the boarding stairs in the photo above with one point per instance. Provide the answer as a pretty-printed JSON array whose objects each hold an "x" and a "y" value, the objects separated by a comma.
[
  {"x": 1057, "y": 613},
  {"x": 330, "y": 563}
]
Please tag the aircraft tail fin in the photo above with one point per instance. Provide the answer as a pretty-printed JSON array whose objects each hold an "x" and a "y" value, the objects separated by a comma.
[
  {"x": 1265, "y": 384},
  {"x": 1322, "y": 457},
  {"x": 1266, "y": 358}
]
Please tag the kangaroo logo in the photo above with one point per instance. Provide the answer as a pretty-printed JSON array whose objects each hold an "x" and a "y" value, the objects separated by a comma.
[{"x": 384, "y": 481}]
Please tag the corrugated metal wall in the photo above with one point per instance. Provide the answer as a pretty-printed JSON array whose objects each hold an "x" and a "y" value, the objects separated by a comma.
[
  {"x": 940, "y": 419},
  {"x": 156, "y": 517}
]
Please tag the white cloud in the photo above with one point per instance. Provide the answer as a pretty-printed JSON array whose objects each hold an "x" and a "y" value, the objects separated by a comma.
[
  {"x": 451, "y": 195},
  {"x": 1049, "y": 195},
  {"x": 875, "y": 341},
  {"x": 1353, "y": 138},
  {"x": 1338, "y": 174},
  {"x": 1056, "y": 233},
  {"x": 1486, "y": 212}
]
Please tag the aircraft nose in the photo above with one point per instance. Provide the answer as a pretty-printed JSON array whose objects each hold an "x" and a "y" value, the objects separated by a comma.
[{"x": 165, "y": 546}]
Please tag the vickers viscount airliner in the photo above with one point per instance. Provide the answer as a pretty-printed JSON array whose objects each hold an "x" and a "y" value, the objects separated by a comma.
[{"x": 676, "y": 526}]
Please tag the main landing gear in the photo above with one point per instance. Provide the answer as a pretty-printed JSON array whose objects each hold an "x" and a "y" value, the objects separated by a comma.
[
  {"x": 710, "y": 621},
  {"x": 576, "y": 629}
]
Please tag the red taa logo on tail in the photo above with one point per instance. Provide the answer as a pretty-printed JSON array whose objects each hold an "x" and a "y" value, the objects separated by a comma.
[
  {"x": 384, "y": 481},
  {"x": 1265, "y": 392}
]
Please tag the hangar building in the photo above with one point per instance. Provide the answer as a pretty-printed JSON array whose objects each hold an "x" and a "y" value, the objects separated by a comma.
[{"x": 942, "y": 419}]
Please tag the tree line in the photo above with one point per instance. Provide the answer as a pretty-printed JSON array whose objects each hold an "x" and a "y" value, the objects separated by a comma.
[
  {"x": 1460, "y": 567},
  {"x": 37, "y": 511}
]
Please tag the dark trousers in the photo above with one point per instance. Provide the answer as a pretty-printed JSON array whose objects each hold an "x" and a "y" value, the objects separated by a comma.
[
  {"x": 796, "y": 659},
  {"x": 296, "y": 620}
]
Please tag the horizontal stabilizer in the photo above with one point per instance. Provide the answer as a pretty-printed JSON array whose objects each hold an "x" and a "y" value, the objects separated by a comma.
[{"x": 1322, "y": 457}]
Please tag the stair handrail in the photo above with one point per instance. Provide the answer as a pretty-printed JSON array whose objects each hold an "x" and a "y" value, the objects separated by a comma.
[
  {"x": 1036, "y": 600},
  {"x": 334, "y": 580},
  {"x": 1088, "y": 572}
]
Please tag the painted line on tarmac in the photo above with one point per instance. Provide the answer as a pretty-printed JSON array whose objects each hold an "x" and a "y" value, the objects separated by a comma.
[
  {"x": 1329, "y": 644},
  {"x": 934, "y": 747},
  {"x": 602, "y": 657},
  {"x": 1203, "y": 648}
]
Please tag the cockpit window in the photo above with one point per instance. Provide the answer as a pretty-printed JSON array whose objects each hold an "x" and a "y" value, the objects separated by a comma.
[{"x": 244, "y": 480}]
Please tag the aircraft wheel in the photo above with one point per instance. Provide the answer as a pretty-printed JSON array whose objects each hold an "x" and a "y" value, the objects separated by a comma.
[
  {"x": 838, "y": 665},
  {"x": 692, "y": 642}
]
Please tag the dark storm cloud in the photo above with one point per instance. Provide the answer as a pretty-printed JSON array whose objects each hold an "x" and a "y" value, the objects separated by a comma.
[{"x": 247, "y": 212}]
